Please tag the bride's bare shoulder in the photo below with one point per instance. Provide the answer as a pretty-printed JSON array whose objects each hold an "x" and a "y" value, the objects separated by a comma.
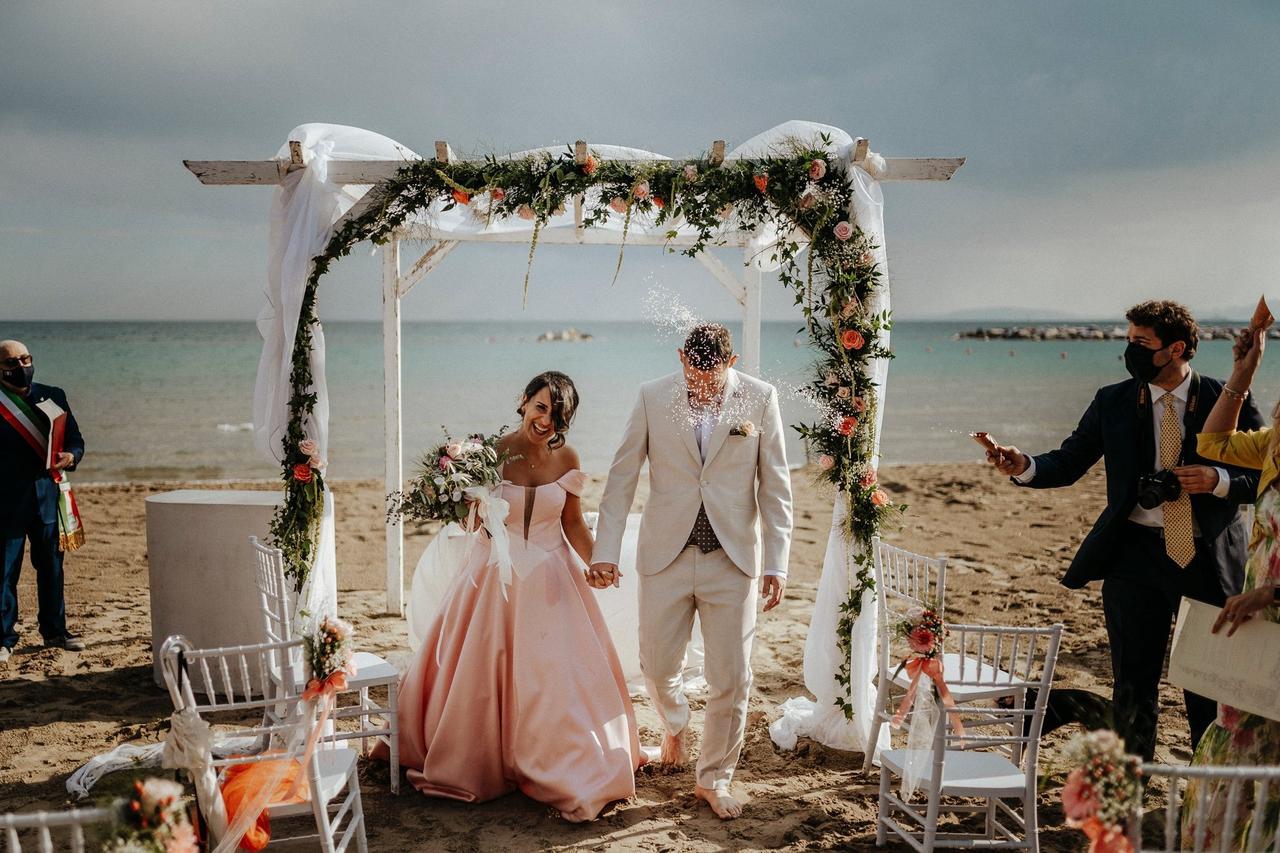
[{"x": 568, "y": 460}]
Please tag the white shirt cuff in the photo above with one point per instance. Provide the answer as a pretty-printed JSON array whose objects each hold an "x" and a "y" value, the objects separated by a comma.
[
  {"x": 776, "y": 573},
  {"x": 1028, "y": 475},
  {"x": 1224, "y": 483}
]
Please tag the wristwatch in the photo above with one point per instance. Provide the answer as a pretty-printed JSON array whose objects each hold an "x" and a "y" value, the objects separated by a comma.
[{"x": 1275, "y": 593}]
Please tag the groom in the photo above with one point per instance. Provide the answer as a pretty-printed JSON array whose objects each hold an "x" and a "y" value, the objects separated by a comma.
[{"x": 717, "y": 470}]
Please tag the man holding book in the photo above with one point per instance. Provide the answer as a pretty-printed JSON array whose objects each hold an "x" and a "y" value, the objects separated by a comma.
[{"x": 39, "y": 440}]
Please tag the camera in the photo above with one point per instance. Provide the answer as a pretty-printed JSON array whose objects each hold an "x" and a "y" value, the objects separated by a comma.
[{"x": 1160, "y": 487}]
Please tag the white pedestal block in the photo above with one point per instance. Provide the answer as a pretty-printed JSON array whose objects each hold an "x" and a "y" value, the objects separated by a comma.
[{"x": 202, "y": 577}]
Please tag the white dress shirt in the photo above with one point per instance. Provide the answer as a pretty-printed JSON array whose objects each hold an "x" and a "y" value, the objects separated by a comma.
[{"x": 1155, "y": 517}]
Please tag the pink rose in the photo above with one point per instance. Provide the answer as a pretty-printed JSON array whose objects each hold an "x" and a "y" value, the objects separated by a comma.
[
  {"x": 691, "y": 173},
  {"x": 316, "y": 462},
  {"x": 807, "y": 201},
  {"x": 867, "y": 258},
  {"x": 182, "y": 839},
  {"x": 850, "y": 308},
  {"x": 859, "y": 405},
  {"x": 921, "y": 641},
  {"x": 445, "y": 462},
  {"x": 524, "y": 211},
  {"x": 843, "y": 392},
  {"x": 868, "y": 479},
  {"x": 879, "y": 498},
  {"x": 619, "y": 204},
  {"x": 453, "y": 449},
  {"x": 817, "y": 169},
  {"x": 641, "y": 190},
  {"x": 847, "y": 425},
  {"x": 1079, "y": 801},
  {"x": 843, "y": 230},
  {"x": 497, "y": 193},
  {"x": 307, "y": 447},
  {"x": 826, "y": 463}
]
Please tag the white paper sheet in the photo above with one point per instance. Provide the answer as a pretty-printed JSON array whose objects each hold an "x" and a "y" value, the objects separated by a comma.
[{"x": 1242, "y": 671}]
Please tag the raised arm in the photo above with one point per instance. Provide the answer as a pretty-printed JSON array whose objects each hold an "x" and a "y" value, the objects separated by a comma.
[
  {"x": 620, "y": 489},
  {"x": 1070, "y": 462}
]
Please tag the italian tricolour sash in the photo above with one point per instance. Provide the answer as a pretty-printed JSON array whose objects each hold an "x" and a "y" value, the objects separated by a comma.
[{"x": 19, "y": 415}]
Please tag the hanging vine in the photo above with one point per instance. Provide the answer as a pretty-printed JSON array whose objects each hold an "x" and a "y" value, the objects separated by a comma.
[{"x": 799, "y": 189}]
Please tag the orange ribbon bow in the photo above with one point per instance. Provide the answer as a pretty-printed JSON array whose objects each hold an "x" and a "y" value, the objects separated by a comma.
[
  {"x": 931, "y": 667},
  {"x": 326, "y": 690},
  {"x": 1104, "y": 838}
]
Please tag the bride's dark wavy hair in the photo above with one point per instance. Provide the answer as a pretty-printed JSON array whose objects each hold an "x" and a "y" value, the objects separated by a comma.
[{"x": 564, "y": 402}]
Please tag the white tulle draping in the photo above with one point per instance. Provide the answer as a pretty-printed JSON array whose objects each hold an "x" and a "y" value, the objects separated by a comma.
[{"x": 820, "y": 718}]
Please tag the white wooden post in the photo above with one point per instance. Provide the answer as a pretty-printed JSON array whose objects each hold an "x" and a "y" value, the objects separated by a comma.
[
  {"x": 751, "y": 315},
  {"x": 393, "y": 474}
]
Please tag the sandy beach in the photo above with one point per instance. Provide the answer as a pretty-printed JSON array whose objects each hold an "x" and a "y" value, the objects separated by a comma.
[{"x": 1007, "y": 549}]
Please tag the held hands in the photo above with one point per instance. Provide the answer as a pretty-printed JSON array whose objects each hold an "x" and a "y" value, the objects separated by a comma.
[
  {"x": 1009, "y": 461},
  {"x": 603, "y": 576},
  {"x": 1239, "y": 609},
  {"x": 1197, "y": 479}
]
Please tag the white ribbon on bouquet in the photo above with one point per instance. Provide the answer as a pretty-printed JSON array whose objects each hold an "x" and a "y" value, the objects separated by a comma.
[{"x": 492, "y": 510}]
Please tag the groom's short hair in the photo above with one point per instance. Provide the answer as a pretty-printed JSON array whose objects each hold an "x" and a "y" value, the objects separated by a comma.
[
  {"x": 708, "y": 345},
  {"x": 1171, "y": 321}
]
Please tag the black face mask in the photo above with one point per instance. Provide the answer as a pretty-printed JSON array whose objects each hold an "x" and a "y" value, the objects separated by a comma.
[
  {"x": 19, "y": 377},
  {"x": 1140, "y": 362}
]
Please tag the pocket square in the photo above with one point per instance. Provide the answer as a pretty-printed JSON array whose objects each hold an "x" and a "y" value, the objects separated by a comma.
[{"x": 745, "y": 429}]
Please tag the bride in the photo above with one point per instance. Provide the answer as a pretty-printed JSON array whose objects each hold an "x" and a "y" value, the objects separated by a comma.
[{"x": 521, "y": 687}]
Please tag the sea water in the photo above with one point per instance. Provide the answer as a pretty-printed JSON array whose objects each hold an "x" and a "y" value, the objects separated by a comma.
[{"x": 174, "y": 401}]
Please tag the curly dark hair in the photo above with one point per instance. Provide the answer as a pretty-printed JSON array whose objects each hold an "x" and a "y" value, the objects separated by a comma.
[
  {"x": 1171, "y": 321},
  {"x": 564, "y": 402},
  {"x": 708, "y": 345}
]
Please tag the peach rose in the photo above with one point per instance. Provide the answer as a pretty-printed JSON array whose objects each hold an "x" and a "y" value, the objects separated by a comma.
[
  {"x": 589, "y": 167},
  {"x": 690, "y": 173},
  {"x": 761, "y": 181},
  {"x": 847, "y": 425},
  {"x": 843, "y": 230},
  {"x": 851, "y": 339},
  {"x": 641, "y": 190},
  {"x": 658, "y": 202},
  {"x": 843, "y": 392},
  {"x": 826, "y": 463},
  {"x": 868, "y": 478},
  {"x": 302, "y": 472},
  {"x": 850, "y": 308},
  {"x": 182, "y": 839},
  {"x": 453, "y": 449},
  {"x": 497, "y": 193},
  {"x": 867, "y": 258},
  {"x": 807, "y": 201},
  {"x": 817, "y": 169},
  {"x": 859, "y": 405},
  {"x": 307, "y": 447},
  {"x": 879, "y": 498},
  {"x": 525, "y": 212},
  {"x": 1079, "y": 801},
  {"x": 618, "y": 204},
  {"x": 461, "y": 197}
]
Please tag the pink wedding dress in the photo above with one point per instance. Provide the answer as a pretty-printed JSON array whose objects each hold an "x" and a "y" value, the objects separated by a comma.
[{"x": 523, "y": 690}]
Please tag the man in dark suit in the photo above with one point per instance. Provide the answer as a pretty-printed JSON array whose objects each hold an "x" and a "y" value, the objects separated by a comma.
[
  {"x": 1149, "y": 554},
  {"x": 29, "y": 499}
]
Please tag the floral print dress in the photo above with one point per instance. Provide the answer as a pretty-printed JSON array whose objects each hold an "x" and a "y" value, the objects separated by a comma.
[{"x": 1238, "y": 738}]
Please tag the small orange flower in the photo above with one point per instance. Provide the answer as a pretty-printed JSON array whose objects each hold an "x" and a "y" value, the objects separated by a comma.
[
  {"x": 302, "y": 472},
  {"x": 847, "y": 425},
  {"x": 461, "y": 197},
  {"x": 589, "y": 167},
  {"x": 852, "y": 339},
  {"x": 879, "y": 498},
  {"x": 497, "y": 193},
  {"x": 761, "y": 181},
  {"x": 658, "y": 202}
]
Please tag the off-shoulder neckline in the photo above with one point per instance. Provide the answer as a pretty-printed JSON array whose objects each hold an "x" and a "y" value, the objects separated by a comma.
[{"x": 542, "y": 485}]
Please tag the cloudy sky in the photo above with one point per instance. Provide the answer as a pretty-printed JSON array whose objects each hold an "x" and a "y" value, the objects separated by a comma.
[{"x": 1116, "y": 151}]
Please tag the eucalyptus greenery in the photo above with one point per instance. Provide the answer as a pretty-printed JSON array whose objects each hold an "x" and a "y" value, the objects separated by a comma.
[{"x": 799, "y": 188}]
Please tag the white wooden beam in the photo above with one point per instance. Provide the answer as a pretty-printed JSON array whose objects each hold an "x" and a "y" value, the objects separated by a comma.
[
  {"x": 425, "y": 264},
  {"x": 752, "y": 315},
  {"x": 737, "y": 289},
  {"x": 580, "y": 155},
  {"x": 393, "y": 472},
  {"x": 266, "y": 172},
  {"x": 562, "y": 235}
]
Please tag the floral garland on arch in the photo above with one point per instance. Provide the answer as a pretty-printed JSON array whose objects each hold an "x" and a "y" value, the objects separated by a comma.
[{"x": 797, "y": 188}]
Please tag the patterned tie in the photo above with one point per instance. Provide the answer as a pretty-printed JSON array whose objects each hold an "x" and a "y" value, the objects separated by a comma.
[{"x": 1179, "y": 539}]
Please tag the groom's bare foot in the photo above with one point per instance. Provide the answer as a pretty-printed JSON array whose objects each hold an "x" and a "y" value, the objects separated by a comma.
[
  {"x": 675, "y": 748},
  {"x": 720, "y": 800}
]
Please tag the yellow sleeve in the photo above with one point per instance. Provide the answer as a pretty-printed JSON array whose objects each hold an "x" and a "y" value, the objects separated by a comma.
[{"x": 1245, "y": 449}]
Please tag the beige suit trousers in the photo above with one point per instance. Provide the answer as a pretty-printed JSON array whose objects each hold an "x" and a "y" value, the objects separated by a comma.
[{"x": 724, "y": 599}]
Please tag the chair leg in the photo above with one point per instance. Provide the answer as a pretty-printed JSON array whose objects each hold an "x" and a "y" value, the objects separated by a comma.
[
  {"x": 1031, "y": 820},
  {"x": 876, "y": 722},
  {"x": 393, "y": 724},
  {"x": 882, "y": 808},
  {"x": 991, "y": 817},
  {"x": 931, "y": 820},
  {"x": 364, "y": 718}
]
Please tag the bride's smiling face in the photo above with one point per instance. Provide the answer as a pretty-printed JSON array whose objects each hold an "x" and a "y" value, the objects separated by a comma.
[{"x": 537, "y": 425}]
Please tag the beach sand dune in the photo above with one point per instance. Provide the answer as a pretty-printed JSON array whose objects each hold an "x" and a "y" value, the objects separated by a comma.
[{"x": 1007, "y": 549}]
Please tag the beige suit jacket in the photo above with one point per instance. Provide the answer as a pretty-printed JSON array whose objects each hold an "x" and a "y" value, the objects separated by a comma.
[{"x": 743, "y": 480}]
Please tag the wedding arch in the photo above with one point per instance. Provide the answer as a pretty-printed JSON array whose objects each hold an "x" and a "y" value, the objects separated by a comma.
[{"x": 802, "y": 198}]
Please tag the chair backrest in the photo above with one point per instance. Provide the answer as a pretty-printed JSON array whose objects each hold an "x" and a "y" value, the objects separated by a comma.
[
  {"x": 41, "y": 827},
  {"x": 905, "y": 579},
  {"x": 1236, "y": 808},
  {"x": 1007, "y": 662},
  {"x": 273, "y": 591}
]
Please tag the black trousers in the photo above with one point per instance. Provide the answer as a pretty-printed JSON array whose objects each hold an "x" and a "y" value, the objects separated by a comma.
[{"x": 1140, "y": 600}]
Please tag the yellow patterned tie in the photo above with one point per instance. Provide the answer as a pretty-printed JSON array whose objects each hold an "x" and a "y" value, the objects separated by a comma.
[{"x": 1179, "y": 539}]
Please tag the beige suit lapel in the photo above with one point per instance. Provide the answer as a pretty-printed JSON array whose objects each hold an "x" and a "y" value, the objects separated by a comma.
[
  {"x": 731, "y": 388},
  {"x": 684, "y": 417}
]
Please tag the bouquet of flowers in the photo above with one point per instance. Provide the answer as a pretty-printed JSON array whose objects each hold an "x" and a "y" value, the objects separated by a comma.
[
  {"x": 440, "y": 490},
  {"x": 924, "y": 632},
  {"x": 153, "y": 820},
  {"x": 1101, "y": 793},
  {"x": 329, "y": 652}
]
